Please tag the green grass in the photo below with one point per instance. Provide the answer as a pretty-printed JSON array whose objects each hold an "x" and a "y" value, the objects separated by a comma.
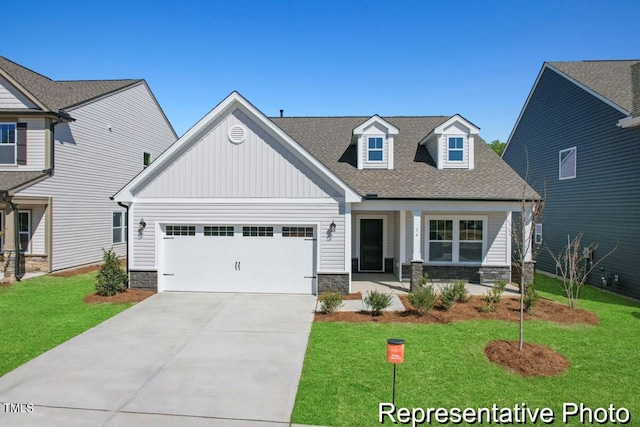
[
  {"x": 346, "y": 376},
  {"x": 40, "y": 313}
]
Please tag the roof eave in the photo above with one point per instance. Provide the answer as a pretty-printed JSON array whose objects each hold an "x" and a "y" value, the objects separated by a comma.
[{"x": 629, "y": 122}]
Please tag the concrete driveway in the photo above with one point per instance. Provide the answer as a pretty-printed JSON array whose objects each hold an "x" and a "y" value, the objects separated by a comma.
[{"x": 173, "y": 359}]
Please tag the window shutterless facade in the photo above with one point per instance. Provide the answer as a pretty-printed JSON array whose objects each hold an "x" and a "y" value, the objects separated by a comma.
[
  {"x": 455, "y": 149},
  {"x": 8, "y": 138},
  {"x": 456, "y": 240},
  {"x": 119, "y": 225},
  {"x": 375, "y": 152},
  {"x": 568, "y": 161},
  {"x": 24, "y": 230}
]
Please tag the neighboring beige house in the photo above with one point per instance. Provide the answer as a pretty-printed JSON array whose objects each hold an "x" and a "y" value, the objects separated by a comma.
[
  {"x": 247, "y": 203},
  {"x": 65, "y": 147}
]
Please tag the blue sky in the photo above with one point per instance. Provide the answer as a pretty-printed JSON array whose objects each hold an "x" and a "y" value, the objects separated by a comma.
[{"x": 323, "y": 58}]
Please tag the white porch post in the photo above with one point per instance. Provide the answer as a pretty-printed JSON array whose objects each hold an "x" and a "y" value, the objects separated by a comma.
[
  {"x": 528, "y": 242},
  {"x": 417, "y": 231},
  {"x": 347, "y": 241},
  {"x": 402, "y": 242}
]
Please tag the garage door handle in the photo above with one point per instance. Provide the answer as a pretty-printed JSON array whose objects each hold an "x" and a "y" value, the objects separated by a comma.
[
  {"x": 310, "y": 277},
  {"x": 237, "y": 265},
  {"x": 313, "y": 240},
  {"x": 168, "y": 274}
]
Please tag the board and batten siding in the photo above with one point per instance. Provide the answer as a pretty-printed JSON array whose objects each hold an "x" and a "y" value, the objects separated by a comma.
[
  {"x": 330, "y": 246},
  {"x": 260, "y": 166},
  {"x": 497, "y": 229},
  {"x": 603, "y": 201},
  {"x": 95, "y": 156},
  {"x": 10, "y": 98}
]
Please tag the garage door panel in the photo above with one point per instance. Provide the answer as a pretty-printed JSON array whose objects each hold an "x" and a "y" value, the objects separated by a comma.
[{"x": 260, "y": 264}]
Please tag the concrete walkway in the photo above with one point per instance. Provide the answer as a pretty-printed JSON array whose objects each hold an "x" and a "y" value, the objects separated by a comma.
[{"x": 225, "y": 360}]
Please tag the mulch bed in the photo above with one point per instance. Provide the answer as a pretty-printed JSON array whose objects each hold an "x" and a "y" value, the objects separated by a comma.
[
  {"x": 351, "y": 297},
  {"x": 533, "y": 360},
  {"x": 129, "y": 295}
]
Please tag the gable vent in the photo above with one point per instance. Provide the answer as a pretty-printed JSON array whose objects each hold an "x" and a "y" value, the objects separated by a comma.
[{"x": 237, "y": 134}]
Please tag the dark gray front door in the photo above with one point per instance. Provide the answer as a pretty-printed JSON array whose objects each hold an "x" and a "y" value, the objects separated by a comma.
[{"x": 371, "y": 245}]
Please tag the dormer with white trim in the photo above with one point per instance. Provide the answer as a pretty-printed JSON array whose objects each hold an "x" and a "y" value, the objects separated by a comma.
[
  {"x": 374, "y": 140},
  {"x": 451, "y": 145}
]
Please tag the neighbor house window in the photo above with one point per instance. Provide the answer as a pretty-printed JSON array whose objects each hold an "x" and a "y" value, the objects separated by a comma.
[
  {"x": 24, "y": 230},
  {"x": 216, "y": 230},
  {"x": 456, "y": 240},
  {"x": 374, "y": 149},
  {"x": 146, "y": 159},
  {"x": 538, "y": 234},
  {"x": 568, "y": 159},
  {"x": 8, "y": 143},
  {"x": 257, "y": 231},
  {"x": 119, "y": 225},
  {"x": 456, "y": 149}
]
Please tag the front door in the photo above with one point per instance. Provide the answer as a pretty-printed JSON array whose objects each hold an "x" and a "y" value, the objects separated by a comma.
[{"x": 371, "y": 245}]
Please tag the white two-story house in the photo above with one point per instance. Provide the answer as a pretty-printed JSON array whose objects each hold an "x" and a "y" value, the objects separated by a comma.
[{"x": 65, "y": 147}]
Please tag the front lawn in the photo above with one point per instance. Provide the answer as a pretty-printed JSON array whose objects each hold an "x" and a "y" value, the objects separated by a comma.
[
  {"x": 346, "y": 376},
  {"x": 40, "y": 313}
]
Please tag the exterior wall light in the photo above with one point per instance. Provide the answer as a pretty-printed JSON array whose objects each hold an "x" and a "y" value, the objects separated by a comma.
[
  {"x": 332, "y": 227},
  {"x": 142, "y": 225}
]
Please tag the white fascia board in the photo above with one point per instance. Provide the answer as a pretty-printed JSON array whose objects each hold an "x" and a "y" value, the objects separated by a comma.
[
  {"x": 438, "y": 205},
  {"x": 231, "y": 101},
  {"x": 440, "y": 129},
  {"x": 629, "y": 122},
  {"x": 391, "y": 129}
]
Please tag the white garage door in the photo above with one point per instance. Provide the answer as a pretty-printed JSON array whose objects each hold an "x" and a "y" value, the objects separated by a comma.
[{"x": 239, "y": 258}]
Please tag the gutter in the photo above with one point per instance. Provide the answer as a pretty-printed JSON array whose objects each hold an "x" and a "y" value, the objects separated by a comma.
[
  {"x": 127, "y": 251},
  {"x": 16, "y": 235}
]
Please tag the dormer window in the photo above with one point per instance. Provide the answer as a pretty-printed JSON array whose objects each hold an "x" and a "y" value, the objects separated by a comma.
[
  {"x": 375, "y": 151},
  {"x": 456, "y": 149}
]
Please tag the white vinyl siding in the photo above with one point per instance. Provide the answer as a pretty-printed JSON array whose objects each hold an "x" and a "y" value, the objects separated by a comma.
[
  {"x": 330, "y": 246},
  {"x": 91, "y": 164},
  {"x": 567, "y": 163},
  {"x": 38, "y": 230},
  {"x": 11, "y": 98},
  {"x": 258, "y": 167}
]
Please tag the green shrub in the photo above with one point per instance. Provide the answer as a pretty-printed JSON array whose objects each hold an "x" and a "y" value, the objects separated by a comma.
[
  {"x": 530, "y": 298},
  {"x": 448, "y": 295},
  {"x": 493, "y": 295},
  {"x": 462, "y": 294},
  {"x": 377, "y": 302},
  {"x": 330, "y": 302},
  {"x": 111, "y": 278},
  {"x": 423, "y": 299},
  {"x": 423, "y": 280}
]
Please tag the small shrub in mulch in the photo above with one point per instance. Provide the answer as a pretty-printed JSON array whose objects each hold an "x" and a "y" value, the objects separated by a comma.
[
  {"x": 330, "y": 302},
  {"x": 533, "y": 360}
]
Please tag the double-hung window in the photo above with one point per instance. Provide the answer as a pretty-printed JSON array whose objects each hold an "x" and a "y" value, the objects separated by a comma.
[
  {"x": 456, "y": 240},
  {"x": 119, "y": 227},
  {"x": 8, "y": 143},
  {"x": 24, "y": 230},
  {"x": 456, "y": 149},
  {"x": 374, "y": 149},
  {"x": 568, "y": 160}
]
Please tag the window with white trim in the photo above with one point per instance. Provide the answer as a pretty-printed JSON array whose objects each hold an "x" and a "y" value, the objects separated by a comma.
[
  {"x": 218, "y": 230},
  {"x": 375, "y": 152},
  {"x": 257, "y": 231},
  {"x": 538, "y": 234},
  {"x": 24, "y": 231},
  {"x": 455, "y": 149},
  {"x": 119, "y": 226},
  {"x": 8, "y": 138},
  {"x": 297, "y": 231},
  {"x": 458, "y": 239},
  {"x": 180, "y": 230},
  {"x": 568, "y": 160}
]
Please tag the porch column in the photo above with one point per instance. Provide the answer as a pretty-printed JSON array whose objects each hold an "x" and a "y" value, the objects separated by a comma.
[
  {"x": 347, "y": 241},
  {"x": 416, "y": 259},
  {"x": 417, "y": 231},
  {"x": 402, "y": 258},
  {"x": 8, "y": 265}
]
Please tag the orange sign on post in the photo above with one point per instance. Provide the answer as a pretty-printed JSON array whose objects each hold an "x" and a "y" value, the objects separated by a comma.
[{"x": 395, "y": 350}]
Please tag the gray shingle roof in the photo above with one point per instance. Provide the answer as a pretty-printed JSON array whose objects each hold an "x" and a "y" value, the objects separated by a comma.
[
  {"x": 415, "y": 175},
  {"x": 10, "y": 180},
  {"x": 59, "y": 95},
  {"x": 610, "y": 79}
]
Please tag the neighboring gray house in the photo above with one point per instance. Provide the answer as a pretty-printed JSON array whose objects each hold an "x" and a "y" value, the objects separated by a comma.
[
  {"x": 65, "y": 147},
  {"x": 245, "y": 203},
  {"x": 580, "y": 129}
]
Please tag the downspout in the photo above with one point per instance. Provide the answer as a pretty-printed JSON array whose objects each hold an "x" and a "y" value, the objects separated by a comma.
[
  {"x": 127, "y": 208},
  {"x": 16, "y": 234}
]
